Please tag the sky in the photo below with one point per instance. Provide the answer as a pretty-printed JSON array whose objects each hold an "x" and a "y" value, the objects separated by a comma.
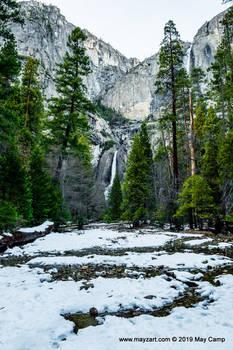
[{"x": 135, "y": 27}]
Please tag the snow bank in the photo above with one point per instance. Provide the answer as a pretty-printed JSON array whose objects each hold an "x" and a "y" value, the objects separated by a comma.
[
  {"x": 198, "y": 241},
  {"x": 30, "y": 312},
  {"x": 40, "y": 228},
  {"x": 103, "y": 238},
  {"x": 130, "y": 259}
]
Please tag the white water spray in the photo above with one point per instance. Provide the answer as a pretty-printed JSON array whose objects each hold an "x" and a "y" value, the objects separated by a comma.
[
  {"x": 113, "y": 174},
  {"x": 188, "y": 59}
]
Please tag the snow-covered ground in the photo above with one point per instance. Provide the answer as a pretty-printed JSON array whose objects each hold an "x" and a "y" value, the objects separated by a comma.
[
  {"x": 176, "y": 260},
  {"x": 102, "y": 238},
  {"x": 32, "y": 303}
]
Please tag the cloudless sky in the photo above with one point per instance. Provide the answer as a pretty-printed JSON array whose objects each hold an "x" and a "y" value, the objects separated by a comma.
[{"x": 135, "y": 27}]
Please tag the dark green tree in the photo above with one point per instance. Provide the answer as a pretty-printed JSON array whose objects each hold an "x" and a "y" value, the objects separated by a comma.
[
  {"x": 67, "y": 110},
  {"x": 8, "y": 216},
  {"x": 15, "y": 185},
  {"x": 46, "y": 199},
  {"x": 196, "y": 197},
  {"x": 138, "y": 185},
  {"x": 115, "y": 199},
  {"x": 167, "y": 82},
  {"x": 32, "y": 100},
  {"x": 225, "y": 168}
]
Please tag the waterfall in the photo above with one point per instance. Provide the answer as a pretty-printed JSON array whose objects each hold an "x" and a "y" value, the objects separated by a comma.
[
  {"x": 113, "y": 174},
  {"x": 188, "y": 59}
]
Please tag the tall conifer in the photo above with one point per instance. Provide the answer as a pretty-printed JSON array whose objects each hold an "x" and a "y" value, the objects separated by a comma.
[
  {"x": 167, "y": 81},
  {"x": 138, "y": 186},
  {"x": 68, "y": 109}
]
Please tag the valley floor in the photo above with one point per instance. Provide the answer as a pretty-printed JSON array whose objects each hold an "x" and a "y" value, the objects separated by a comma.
[{"x": 153, "y": 290}]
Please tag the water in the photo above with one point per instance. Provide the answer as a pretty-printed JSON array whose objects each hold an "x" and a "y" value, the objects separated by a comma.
[
  {"x": 188, "y": 59},
  {"x": 113, "y": 174}
]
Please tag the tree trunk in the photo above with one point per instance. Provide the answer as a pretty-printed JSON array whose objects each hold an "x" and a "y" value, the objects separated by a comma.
[
  {"x": 187, "y": 147},
  {"x": 193, "y": 165},
  {"x": 190, "y": 215},
  {"x": 64, "y": 145}
]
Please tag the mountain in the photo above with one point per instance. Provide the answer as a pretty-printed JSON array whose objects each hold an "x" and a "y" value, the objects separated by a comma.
[
  {"x": 126, "y": 85},
  {"x": 44, "y": 36}
]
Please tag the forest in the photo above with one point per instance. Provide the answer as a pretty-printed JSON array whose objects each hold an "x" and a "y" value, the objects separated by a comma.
[{"x": 185, "y": 178}]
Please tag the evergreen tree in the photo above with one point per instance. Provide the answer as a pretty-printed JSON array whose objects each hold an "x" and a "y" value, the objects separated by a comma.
[
  {"x": 196, "y": 197},
  {"x": 31, "y": 109},
  {"x": 32, "y": 101},
  {"x": 115, "y": 199},
  {"x": 170, "y": 64},
  {"x": 138, "y": 186},
  {"x": 46, "y": 199},
  {"x": 68, "y": 109},
  {"x": 15, "y": 185},
  {"x": 9, "y": 70},
  {"x": 225, "y": 168},
  {"x": 8, "y": 216}
]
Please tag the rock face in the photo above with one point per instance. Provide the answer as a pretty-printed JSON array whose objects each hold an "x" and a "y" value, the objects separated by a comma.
[
  {"x": 126, "y": 85},
  {"x": 205, "y": 43},
  {"x": 133, "y": 95},
  {"x": 44, "y": 36}
]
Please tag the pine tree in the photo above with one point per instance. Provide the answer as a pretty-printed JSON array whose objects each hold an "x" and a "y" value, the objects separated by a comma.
[
  {"x": 15, "y": 193},
  {"x": 209, "y": 166},
  {"x": 31, "y": 97},
  {"x": 31, "y": 110},
  {"x": 8, "y": 216},
  {"x": 196, "y": 197},
  {"x": 15, "y": 185},
  {"x": 138, "y": 186},
  {"x": 225, "y": 164},
  {"x": 170, "y": 64},
  {"x": 68, "y": 109},
  {"x": 46, "y": 199},
  {"x": 115, "y": 199},
  {"x": 9, "y": 70}
]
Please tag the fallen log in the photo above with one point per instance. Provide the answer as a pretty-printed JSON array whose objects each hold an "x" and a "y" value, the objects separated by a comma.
[{"x": 24, "y": 235}]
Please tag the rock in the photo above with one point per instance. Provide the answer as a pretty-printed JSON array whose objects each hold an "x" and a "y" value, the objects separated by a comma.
[
  {"x": 93, "y": 312},
  {"x": 150, "y": 297},
  {"x": 217, "y": 283},
  {"x": 191, "y": 284},
  {"x": 81, "y": 321},
  {"x": 84, "y": 267},
  {"x": 125, "y": 84},
  {"x": 170, "y": 274},
  {"x": 44, "y": 36},
  {"x": 205, "y": 44},
  {"x": 87, "y": 286}
]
